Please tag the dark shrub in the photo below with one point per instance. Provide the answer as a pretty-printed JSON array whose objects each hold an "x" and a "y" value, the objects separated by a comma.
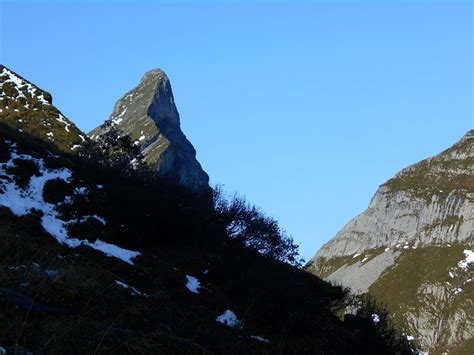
[
  {"x": 89, "y": 228},
  {"x": 23, "y": 170},
  {"x": 56, "y": 190},
  {"x": 253, "y": 229}
]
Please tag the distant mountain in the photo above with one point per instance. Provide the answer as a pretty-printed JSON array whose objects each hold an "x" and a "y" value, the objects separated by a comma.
[
  {"x": 413, "y": 250},
  {"x": 29, "y": 109},
  {"x": 149, "y": 116}
]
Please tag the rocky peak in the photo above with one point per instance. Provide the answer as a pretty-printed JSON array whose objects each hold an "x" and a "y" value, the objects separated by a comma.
[
  {"x": 162, "y": 108},
  {"x": 152, "y": 97},
  {"x": 148, "y": 114},
  {"x": 26, "y": 107}
]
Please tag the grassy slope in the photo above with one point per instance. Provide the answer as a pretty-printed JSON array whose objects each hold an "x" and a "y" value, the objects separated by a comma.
[
  {"x": 24, "y": 111},
  {"x": 400, "y": 287},
  {"x": 288, "y": 306},
  {"x": 439, "y": 175}
]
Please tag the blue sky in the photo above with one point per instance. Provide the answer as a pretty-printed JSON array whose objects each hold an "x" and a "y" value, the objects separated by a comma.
[{"x": 305, "y": 108}]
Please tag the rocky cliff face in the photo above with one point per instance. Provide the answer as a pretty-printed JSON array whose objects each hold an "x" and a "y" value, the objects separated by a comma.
[
  {"x": 29, "y": 109},
  {"x": 413, "y": 249},
  {"x": 149, "y": 116}
]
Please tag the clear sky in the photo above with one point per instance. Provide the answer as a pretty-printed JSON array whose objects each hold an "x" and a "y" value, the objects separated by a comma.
[{"x": 305, "y": 108}]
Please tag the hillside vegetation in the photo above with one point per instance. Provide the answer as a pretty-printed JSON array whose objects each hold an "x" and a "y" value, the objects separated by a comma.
[
  {"x": 98, "y": 259},
  {"x": 28, "y": 108}
]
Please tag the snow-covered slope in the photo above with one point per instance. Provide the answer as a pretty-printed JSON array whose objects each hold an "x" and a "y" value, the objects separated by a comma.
[{"x": 28, "y": 197}]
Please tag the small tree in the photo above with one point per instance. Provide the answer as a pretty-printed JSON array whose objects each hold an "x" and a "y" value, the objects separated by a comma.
[
  {"x": 253, "y": 229},
  {"x": 116, "y": 150}
]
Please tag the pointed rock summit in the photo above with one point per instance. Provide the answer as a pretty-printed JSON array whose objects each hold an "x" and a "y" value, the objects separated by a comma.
[
  {"x": 149, "y": 116},
  {"x": 29, "y": 109}
]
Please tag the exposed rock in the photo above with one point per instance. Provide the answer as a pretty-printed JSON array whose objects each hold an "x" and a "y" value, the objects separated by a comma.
[
  {"x": 360, "y": 276},
  {"x": 393, "y": 219},
  {"x": 149, "y": 116},
  {"x": 415, "y": 218}
]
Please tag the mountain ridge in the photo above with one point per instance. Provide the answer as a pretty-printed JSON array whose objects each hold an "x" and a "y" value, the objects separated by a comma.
[
  {"x": 28, "y": 108},
  {"x": 426, "y": 209}
]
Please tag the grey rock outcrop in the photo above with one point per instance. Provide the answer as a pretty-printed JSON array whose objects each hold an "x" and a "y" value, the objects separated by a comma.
[
  {"x": 360, "y": 276},
  {"x": 393, "y": 220},
  {"x": 149, "y": 116},
  {"x": 423, "y": 212},
  {"x": 421, "y": 221}
]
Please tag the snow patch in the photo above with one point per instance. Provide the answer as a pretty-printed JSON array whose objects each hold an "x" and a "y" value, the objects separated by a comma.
[
  {"x": 62, "y": 120},
  {"x": 23, "y": 201},
  {"x": 117, "y": 121},
  {"x": 132, "y": 289},
  {"x": 230, "y": 319},
  {"x": 469, "y": 259},
  {"x": 120, "y": 283},
  {"x": 192, "y": 284},
  {"x": 114, "y": 251},
  {"x": 375, "y": 318},
  {"x": 100, "y": 219},
  {"x": 259, "y": 338},
  {"x": 119, "y": 118}
]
